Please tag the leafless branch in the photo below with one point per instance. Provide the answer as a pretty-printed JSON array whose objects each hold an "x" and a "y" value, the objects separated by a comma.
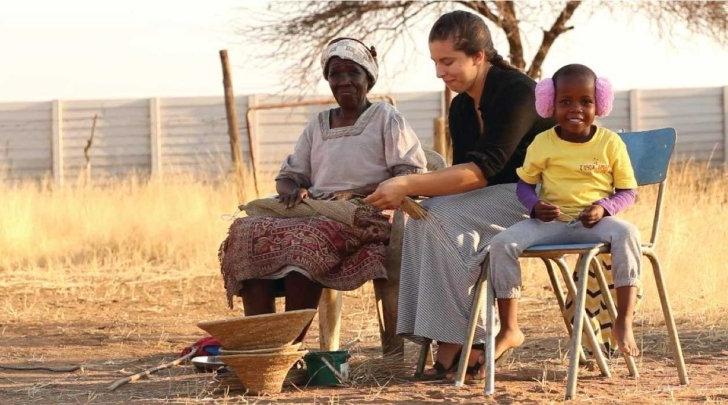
[
  {"x": 301, "y": 29},
  {"x": 557, "y": 28}
]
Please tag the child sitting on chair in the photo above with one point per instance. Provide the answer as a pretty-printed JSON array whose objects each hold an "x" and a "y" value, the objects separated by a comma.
[{"x": 586, "y": 178}]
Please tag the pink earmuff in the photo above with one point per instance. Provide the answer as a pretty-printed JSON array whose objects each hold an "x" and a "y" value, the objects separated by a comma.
[{"x": 545, "y": 94}]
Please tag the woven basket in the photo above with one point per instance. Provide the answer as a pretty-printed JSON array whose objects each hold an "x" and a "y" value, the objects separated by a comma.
[
  {"x": 262, "y": 373},
  {"x": 259, "y": 331},
  {"x": 280, "y": 349}
]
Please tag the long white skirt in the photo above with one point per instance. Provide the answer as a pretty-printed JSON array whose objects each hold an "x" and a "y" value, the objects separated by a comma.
[{"x": 441, "y": 259}]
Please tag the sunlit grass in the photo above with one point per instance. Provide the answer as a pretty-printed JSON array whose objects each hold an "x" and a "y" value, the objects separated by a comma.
[{"x": 92, "y": 237}]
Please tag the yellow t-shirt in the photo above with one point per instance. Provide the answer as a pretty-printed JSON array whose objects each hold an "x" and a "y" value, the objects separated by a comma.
[{"x": 575, "y": 175}]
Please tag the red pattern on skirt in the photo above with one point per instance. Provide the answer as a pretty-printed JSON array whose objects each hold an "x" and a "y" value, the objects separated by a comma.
[{"x": 335, "y": 255}]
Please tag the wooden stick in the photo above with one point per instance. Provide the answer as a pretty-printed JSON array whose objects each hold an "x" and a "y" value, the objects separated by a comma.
[
  {"x": 86, "y": 149},
  {"x": 60, "y": 369},
  {"x": 233, "y": 131},
  {"x": 118, "y": 383}
]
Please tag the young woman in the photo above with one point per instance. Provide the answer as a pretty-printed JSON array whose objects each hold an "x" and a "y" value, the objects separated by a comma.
[{"x": 492, "y": 121}]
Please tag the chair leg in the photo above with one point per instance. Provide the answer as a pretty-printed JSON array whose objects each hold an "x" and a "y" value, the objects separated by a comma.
[
  {"x": 474, "y": 312},
  {"x": 582, "y": 268},
  {"x": 612, "y": 310},
  {"x": 425, "y": 350},
  {"x": 591, "y": 339},
  {"x": 489, "y": 334},
  {"x": 669, "y": 319},
  {"x": 385, "y": 294},
  {"x": 558, "y": 292},
  {"x": 330, "y": 319}
]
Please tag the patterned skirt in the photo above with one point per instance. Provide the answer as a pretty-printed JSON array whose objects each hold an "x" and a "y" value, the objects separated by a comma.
[{"x": 332, "y": 253}]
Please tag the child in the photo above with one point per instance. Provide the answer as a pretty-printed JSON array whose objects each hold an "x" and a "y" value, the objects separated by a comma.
[{"x": 586, "y": 178}]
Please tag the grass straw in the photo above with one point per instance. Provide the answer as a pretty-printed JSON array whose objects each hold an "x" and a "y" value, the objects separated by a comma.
[{"x": 413, "y": 208}]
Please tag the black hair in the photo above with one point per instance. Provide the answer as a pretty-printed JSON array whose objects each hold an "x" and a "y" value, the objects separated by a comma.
[
  {"x": 469, "y": 34},
  {"x": 574, "y": 70},
  {"x": 371, "y": 50}
]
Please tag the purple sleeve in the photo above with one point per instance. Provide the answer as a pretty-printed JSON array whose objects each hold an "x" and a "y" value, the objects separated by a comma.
[
  {"x": 526, "y": 194},
  {"x": 619, "y": 201}
]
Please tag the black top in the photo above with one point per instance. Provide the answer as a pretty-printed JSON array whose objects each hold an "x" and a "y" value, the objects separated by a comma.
[{"x": 510, "y": 123}]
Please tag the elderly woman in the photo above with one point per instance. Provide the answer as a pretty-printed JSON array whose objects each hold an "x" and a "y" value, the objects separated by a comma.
[{"x": 342, "y": 154}]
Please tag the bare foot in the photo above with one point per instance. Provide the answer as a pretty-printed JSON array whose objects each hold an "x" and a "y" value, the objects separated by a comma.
[
  {"x": 508, "y": 339},
  {"x": 625, "y": 337}
]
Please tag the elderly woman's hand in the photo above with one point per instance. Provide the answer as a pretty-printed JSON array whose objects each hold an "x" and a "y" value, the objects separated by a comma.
[
  {"x": 289, "y": 193},
  {"x": 389, "y": 194}
]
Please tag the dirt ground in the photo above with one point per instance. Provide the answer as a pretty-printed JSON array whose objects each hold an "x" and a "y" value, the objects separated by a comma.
[{"x": 119, "y": 331}]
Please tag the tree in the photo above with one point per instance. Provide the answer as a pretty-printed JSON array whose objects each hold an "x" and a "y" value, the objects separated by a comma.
[{"x": 302, "y": 29}]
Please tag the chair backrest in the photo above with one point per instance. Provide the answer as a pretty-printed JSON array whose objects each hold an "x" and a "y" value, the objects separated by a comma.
[
  {"x": 435, "y": 161},
  {"x": 650, "y": 153}
]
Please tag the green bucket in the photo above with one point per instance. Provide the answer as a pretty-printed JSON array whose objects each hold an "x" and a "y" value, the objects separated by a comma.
[{"x": 320, "y": 374}]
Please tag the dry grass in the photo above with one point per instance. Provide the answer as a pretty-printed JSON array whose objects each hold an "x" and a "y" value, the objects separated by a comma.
[
  {"x": 87, "y": 235},
  {"x": 170, "y": 225},
  {"x": 110, "y": 276}
]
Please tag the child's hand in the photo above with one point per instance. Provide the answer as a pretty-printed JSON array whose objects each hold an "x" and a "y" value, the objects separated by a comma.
[
  {"x": 545, "y": 212},
  {"x": 591, "y": 215}
]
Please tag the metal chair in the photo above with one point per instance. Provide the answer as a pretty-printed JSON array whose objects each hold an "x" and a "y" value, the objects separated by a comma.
[{"x": 650, "y": 153}]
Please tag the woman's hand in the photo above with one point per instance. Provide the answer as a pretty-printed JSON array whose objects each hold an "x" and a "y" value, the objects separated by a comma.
[
  {"x": 591, "y": 215},
  {"x": 389, "y": 194},
  {"x": 289, "y": 193},
  {"x": 546, "y": 212}
]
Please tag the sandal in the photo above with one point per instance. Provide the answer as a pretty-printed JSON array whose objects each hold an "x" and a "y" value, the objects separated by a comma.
[
  {"x": 472, "y": 373},
  {"x": 441, "y": 371}
]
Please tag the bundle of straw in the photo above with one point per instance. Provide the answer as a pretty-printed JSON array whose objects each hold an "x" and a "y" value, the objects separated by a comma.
[{"x": 413, "y": 208}]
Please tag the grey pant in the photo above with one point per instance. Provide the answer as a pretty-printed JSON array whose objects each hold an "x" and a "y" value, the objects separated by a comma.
[{"x": 507, "y": 246}]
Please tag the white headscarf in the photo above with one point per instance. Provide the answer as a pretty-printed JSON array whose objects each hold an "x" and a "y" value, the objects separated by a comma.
[{"x": 353, "y": 50}]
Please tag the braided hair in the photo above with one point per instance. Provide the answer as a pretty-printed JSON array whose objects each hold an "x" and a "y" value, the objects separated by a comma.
[{"x": 469, "y": 34}]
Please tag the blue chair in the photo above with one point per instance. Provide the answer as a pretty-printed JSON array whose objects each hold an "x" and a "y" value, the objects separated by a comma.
[{"x": 650, "y": 153}]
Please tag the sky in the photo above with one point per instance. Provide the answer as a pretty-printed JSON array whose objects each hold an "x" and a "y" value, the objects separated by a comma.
[{"x": 82, "y": 49}]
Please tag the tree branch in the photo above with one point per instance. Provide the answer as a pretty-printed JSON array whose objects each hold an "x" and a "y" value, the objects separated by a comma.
[
  {"x": 302, "y": 29},
  {"x": 557, "y": 28},
  {"x": 513, "y": 33},
  {"x": 481, "y": 7}
]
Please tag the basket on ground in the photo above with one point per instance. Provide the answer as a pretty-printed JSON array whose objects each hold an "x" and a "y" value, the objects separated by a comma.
[
  {"x": 262, "y": 373},
  {"x": 259, "y": 331},
  {"x": 280, "y": 349}
]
